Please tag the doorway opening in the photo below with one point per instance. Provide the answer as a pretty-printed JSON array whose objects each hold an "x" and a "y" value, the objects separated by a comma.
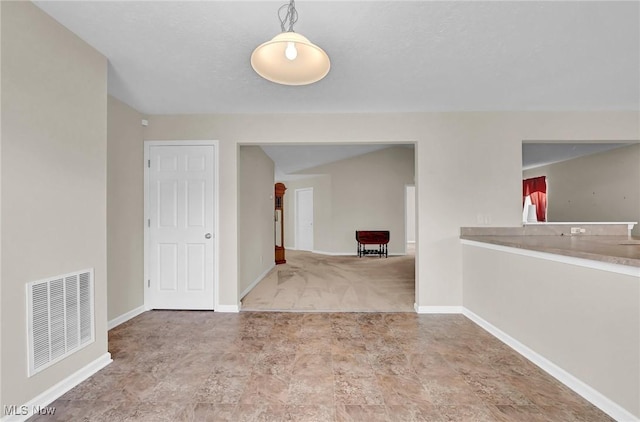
[
  {"x": 581, "y": 181},
  {"x": 304, "y": 219},
  {"x": 410, "y": 218},
  {"x": 333, "y": 190}
]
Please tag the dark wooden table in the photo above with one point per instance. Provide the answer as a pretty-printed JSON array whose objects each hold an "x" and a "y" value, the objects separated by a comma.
[{"x": 372, "y": 237}]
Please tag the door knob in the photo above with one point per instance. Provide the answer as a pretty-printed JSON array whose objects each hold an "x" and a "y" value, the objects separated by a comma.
[{"x": 207, "y": 236}]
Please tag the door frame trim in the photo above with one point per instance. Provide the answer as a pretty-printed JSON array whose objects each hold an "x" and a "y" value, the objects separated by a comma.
[
  {"x": 295, "y": 213},
  {"x": 415, "y": 215},
  {"x": 216, "y": 211}
]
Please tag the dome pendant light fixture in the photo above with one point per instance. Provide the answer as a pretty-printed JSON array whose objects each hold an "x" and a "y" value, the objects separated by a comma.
[{"x": 290, "y": 58}]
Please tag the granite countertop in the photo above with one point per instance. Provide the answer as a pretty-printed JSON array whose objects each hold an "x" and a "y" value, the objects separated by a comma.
[{"x": 617, "y": 249}]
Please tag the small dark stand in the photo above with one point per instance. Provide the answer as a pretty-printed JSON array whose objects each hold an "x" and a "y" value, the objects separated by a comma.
[{"x": 372, "y": 237}]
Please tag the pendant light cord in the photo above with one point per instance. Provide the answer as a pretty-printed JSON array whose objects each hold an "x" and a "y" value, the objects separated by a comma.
[{"x": 290, "y": 18}]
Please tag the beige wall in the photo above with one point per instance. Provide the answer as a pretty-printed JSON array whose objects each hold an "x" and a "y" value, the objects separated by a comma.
[
  {"x": 1, "y": 397},
  {"x": 584, "y": 320},
  {"x": 125, "y": 237},
  {"x": 322, "y": 211},
  {"x": 466, "y": 164},
  {"x": 363, "y": 193},
  {"x": 598, "y": 187},
  {"x": 54, "y": 150},
  {"x": 255, "y": 215}
]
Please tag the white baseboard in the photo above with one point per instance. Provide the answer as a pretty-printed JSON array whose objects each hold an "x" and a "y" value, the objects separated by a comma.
[
  {"x": 50, "y": 395},
  {"x": 353, "y": 253},
  {"x": 437, "y": 309},
  {"x": 228, "y": 308},
  {"x": 605, "y": 404},
  {"x": 257, "y": 280},
  {"x": 589, "y": 393},
  {"x": 125, "y": 317},
  {"x": 334, "y": 253}
]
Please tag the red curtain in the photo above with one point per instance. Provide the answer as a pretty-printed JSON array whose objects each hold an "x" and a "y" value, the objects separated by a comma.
[{"x": 536, "y": 188}]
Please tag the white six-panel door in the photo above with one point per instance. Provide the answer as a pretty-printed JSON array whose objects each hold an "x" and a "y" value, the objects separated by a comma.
[{"x": 180, "y": 249}]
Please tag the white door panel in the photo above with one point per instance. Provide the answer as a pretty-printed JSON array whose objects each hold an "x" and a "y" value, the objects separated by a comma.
[
  {"x": 181, "y": 223},
  {"x": 304, "y": 219}
]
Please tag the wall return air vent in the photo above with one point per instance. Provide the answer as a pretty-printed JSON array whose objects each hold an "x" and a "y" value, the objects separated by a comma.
[{"x": 60, "y": 318}]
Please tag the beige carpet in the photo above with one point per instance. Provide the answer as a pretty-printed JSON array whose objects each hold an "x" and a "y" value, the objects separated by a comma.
[{"x": 313, "y": 282}]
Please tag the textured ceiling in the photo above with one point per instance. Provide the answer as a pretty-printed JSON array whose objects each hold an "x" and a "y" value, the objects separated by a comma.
[
  {"x": 295, "y": 158},
  {"x": 291, "y": 161},
  {"x": 193, "y": 57}
]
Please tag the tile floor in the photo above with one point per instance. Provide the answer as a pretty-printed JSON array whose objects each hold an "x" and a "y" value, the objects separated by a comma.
[{"x": 206, "y": 366}]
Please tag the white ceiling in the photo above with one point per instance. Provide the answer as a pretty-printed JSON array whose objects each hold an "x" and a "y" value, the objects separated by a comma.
[
  {"x": 193, "y": 57},
  {"x": 291, "y": 159},
  {"x": 294, "y": 158}
]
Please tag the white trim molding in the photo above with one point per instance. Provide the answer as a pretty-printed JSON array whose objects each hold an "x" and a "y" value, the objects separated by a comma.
[
  {"x": 354, "y": 254},
  {"x": 437, "y": 309},
  {"x": 257, "y": 280},
  {"x": 587, "y": 392},
  {"x": 333, "y": 253},
  {"x": 50, "y": 395},
  {"x": 234, "y": 309},
  {"x": 590, "y": 394},
  {"x": 125, "y": 317}
]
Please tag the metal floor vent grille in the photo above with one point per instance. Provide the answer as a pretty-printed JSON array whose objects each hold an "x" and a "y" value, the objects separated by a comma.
[{"x": 59, "y": 318}]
